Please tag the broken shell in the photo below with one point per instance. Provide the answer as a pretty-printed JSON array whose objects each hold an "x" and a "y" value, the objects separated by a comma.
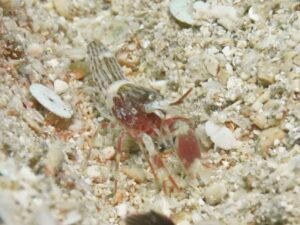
[
  {"x": 221, "y": 136},
  {"x": 47, "y": 98},
  {"x": 182, "y": 10}
]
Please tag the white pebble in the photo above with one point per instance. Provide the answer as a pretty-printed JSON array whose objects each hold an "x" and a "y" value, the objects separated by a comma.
[
  {"x": 35, "y": 50},
  {"x": 227, "y": 51},
  {"x": 60, "y": 86},
  {"x": 253, "y": 15},
  {"x": 201, "y": 202},
  {"x": 93, "y": 171},
  {"x": 215, "y": 193},
  {"x": 145, "y": 43},
  {"x": 221, "y": 136}
]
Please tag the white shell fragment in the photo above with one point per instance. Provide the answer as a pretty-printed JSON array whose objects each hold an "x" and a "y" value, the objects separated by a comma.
[
  {"x": 182, "y": 10},
  {"x": 51, "y": 101},
  {"x": 221, "y": 136}
]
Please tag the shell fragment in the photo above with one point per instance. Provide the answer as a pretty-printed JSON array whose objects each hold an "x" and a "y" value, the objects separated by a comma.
[
  {"x": 51, "y": 101},
  {"x": 221, "y": 136}
]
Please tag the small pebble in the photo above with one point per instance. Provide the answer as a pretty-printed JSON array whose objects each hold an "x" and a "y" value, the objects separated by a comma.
[
  {"x": 35, "y": 50},
  {"x": 212, "y": 65},
  {"x": 221, "y": 136},
  {"x": 79, "y": 69},
  {"x": 215, "y": 193},
  {"x": 60, "y": 86},
  {"x": 253, "y": 15}
]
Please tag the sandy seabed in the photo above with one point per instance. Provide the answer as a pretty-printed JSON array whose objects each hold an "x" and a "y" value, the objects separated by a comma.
[{"x": 243, "y": 66}]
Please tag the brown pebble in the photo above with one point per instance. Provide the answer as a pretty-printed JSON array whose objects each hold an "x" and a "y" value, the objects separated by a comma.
[
  {"x": 119, "y": 197},
  {"x": 79, "y": 75}
]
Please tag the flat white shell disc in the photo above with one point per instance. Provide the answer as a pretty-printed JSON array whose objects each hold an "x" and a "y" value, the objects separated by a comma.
[{"x": 51, "y": 101}]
